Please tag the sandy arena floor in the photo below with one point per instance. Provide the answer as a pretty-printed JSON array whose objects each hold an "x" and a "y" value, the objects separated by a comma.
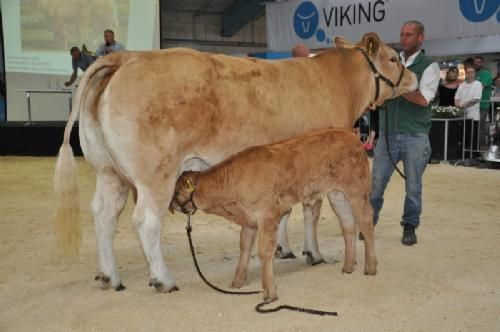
[{"x": 449, "y": 281}]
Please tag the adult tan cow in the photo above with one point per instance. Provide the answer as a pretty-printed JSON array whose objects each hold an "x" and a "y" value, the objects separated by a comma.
[
  {"x": 144, "y": 114},
  {"x": 255, "y": 187}
]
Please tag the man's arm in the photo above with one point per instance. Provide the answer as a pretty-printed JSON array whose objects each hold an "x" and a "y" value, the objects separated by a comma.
[
  {"x": 416, "y": 97},
  {"x": 71, "y": 79},
  {"x": 427, "y": 87}
]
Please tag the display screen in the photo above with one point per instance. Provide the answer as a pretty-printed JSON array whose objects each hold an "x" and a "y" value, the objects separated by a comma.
[{"x": 38, "y": 34}]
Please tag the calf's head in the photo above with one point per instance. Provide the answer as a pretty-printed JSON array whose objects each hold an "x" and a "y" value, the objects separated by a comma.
[
  {"x": 392, "y": 76},
  {"x": 182, "y": 200}
]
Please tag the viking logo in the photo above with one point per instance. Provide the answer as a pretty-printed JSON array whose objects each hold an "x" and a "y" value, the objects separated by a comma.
[
  {"x": 480, "y": 10},
  {"x": 306, "y": 20}
]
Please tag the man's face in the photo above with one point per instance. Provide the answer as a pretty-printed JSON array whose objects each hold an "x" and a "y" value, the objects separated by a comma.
[
  {"x": 478, "y": 64},
  {"x": 470, "y": 74},
  {"x": 410, "y": 39},
  {"x": 109, "y": 37},
  {"x": 75, "y": 55}
]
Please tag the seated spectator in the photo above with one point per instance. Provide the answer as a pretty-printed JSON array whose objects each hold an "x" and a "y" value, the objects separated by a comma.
[
  {"x": 79, "y": 60},
  {"x": 109, "y": 45}
]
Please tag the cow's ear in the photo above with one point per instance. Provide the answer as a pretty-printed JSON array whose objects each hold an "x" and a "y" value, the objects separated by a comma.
[
  {"x": 371, "y": 43},
  {"x": 190, "y": 185},
  {"x": 342, "y": 42}
]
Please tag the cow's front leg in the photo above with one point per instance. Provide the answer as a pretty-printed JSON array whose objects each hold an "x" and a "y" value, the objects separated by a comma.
[
  {"x": 109, "y": 200},
  {"x": 267, "y": 244},
  {"x": 283, "y": 249},
  {"x": 247, "y": 238},
  {"x": 311, "y": 247},
  {"x": 147, "y": 220}
]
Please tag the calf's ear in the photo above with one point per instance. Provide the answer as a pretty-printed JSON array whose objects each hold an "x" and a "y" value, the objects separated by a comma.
[
  {"x": 342, "y": 42},
  {"x": 371, "y": 43}
]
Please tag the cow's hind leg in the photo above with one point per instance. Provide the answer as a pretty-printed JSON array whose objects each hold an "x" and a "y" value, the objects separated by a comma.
[
  {"x": 247, "y": 238},
  {"x": 108, "y": 202},
  {"x": 283, "y": 250},
  {"x": 342, "y": 208},
  {"x": 311, "y": 247},
  {"x": 147, "y": 220}
]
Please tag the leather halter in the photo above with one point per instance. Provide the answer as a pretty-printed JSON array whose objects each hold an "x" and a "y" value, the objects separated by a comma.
[
  {"x": 378, "y": 76},
  {"x": 183, "y": 205}
]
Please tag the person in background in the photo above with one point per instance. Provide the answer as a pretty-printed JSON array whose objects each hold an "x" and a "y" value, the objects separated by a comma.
[
  {"x": 109, "y": 45},
  {"x": 408, "y": 124},
  {"x": 468, "y": 95},
  {"x": 448, "y": 87},
  {"x": 79, "y": 60},
  {"x": 496, "y": 83},
  {"x": 486, "y": 78}
]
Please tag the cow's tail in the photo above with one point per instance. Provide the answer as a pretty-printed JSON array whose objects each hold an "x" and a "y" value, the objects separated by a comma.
[{"x": 67, "y": 214}]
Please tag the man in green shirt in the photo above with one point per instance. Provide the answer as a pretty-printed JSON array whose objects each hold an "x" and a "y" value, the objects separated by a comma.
[
  {"x": 406, "y": 123},
  {"x": 486, "y": 78}
]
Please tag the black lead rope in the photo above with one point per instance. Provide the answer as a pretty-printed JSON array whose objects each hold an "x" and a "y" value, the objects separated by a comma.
[
  {"x": 386, "y": 135},
  {"x": 259, "y": 309},
  {"x": 259, "y": 306}
]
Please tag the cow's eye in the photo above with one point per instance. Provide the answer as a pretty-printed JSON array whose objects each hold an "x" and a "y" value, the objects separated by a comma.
[{"x": 394, "y": 59}]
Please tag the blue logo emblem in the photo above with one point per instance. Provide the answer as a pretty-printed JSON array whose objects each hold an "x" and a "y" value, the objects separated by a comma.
[
  {"x": 306, "y": 22},
  {"x": 480, "y": 10}
]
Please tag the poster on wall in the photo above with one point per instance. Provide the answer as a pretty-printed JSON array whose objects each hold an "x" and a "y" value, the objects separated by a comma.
[{"x": 316, "y": 22}]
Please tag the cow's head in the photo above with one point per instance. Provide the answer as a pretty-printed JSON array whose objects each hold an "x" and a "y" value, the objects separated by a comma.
[
  {"x": 183, "y": 199},
  {"x": 392, "y": 76}
]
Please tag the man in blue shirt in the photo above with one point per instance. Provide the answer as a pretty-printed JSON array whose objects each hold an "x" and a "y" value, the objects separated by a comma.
[
  {"x": 109, "y": 45},
  {"x": 79, "y": 60}
]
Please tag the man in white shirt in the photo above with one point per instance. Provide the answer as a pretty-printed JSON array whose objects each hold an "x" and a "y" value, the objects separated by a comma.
[
  {"x": 404, "y": 133},
  {"x": 469, "y": 94}
]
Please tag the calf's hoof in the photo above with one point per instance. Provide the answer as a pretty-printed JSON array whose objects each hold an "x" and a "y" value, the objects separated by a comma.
[
  {"x": 279, "y": 253},
  {"x": 270, "y": 297},
  {"x": 347, "y": 269},
  {"x": 161, "y": 287},
  {"x": 237, "y": 284}
]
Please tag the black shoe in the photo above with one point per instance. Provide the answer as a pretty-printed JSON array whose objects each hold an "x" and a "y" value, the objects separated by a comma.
[{"x": 409, "y": 236}]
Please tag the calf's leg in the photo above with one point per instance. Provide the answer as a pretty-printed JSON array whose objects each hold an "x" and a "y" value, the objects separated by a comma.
[
  {"x": 363, "y": 214},
  {"x": 342, "y": 208},
  {"x": 267, "y": 244},
  {"x": 247, "y": 238}
]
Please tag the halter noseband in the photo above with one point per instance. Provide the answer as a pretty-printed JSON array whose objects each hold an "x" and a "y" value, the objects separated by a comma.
[
  {"x": 183, "y": 205},
  {"x": 378, "y": 76}
]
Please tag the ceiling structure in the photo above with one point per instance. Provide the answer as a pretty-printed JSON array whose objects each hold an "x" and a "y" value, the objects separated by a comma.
[{"x": 235, "y": 13}]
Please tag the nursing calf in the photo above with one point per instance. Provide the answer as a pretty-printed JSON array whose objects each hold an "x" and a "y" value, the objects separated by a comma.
[{"x": 255, "y": 187}]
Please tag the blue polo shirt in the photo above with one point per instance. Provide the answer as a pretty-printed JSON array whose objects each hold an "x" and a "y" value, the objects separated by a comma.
[{"x": 84, "y": 62}]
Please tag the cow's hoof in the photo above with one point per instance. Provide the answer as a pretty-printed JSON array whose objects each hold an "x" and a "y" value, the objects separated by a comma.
[
  {"x": 103, "y": 280},
  {"x": 161, "y": 288},
  {"x": 120, "y": 287},
  {"x": 311, "y": 260},
  {"x": 279, "y": 253}
]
